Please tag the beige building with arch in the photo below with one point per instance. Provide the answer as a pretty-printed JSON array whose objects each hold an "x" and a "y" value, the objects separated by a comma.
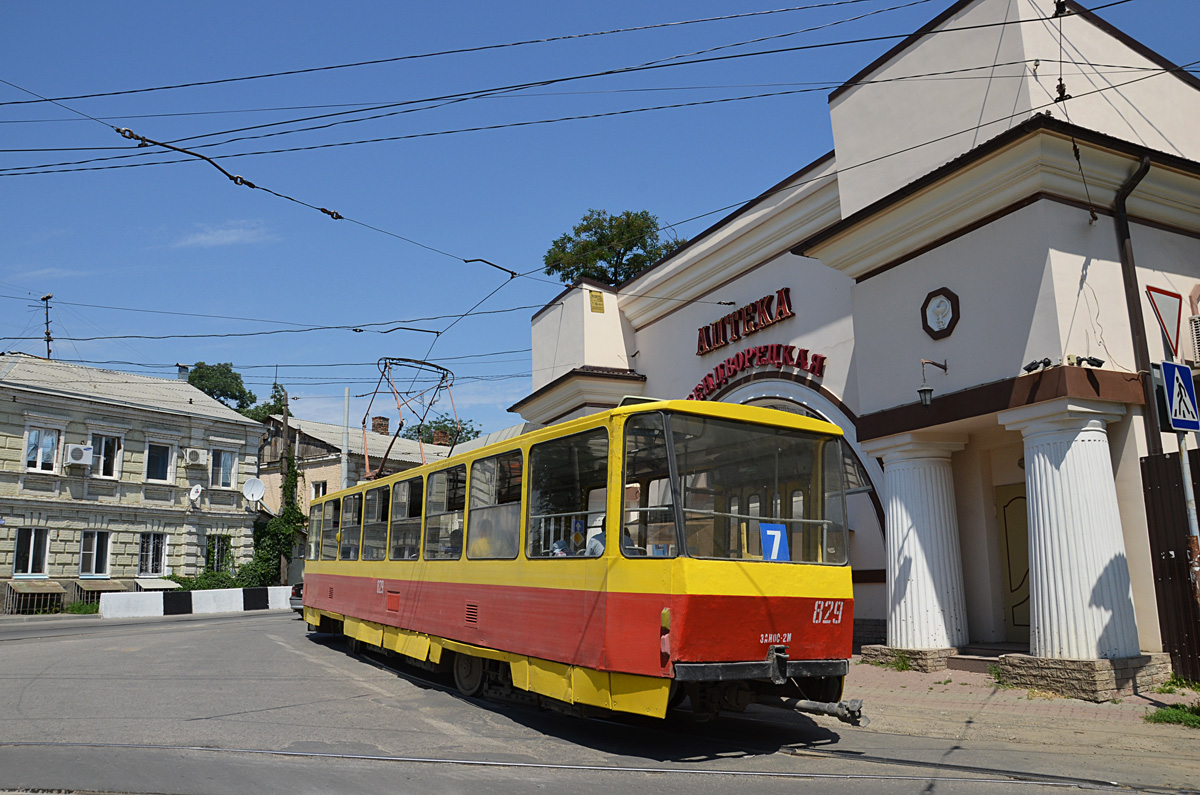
[{"x": 982, "y": 243}]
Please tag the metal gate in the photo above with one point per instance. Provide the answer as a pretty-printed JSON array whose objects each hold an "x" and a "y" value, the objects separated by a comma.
[{"x": 1166, "y": 515}]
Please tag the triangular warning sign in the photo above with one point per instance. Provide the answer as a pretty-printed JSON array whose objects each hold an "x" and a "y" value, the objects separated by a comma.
[
  {"x": 1182, "y": 410},
  {"x": 1168, "y": 308}
]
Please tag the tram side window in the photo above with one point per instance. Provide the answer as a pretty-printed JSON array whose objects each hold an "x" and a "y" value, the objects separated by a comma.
[
  {"x": 444, "y": 503},
  {"x": 314, "y": 532},
  {"x": 494, "y": 523},
  {"x": 375, "y": 524},
  {"x": 351, "y": 527},
  {"x": 563, "y": 473},
  {"x": 833, "y": 535},
  {"x": 330, "y": 525},
  {"x": 649, "y": 511},
  {"x": 406, "y": 519}
]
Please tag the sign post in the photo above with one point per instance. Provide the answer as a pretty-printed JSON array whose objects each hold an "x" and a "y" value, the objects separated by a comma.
[{"x": 1184, "y": 416}]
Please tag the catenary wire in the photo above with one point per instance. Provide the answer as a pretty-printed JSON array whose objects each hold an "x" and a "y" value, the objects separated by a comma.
[
  {"x": 552, "y": 81},
  {"x": 788, "y": 187},
  {"x": 1100, "y": 69},
  {"x": 418, "y": 56}
]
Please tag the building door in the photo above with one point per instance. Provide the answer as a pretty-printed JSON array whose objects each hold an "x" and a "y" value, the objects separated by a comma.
[{"x": 1014, "y": 556}]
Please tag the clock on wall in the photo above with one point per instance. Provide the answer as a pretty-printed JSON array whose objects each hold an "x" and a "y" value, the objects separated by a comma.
[{"x": 939, "y": 313}]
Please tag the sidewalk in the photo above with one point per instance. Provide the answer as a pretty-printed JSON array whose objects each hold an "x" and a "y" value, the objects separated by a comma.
[{"x": 964, "y": 705}]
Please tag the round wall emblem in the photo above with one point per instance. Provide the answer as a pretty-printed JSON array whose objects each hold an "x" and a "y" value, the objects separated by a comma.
[{"x": 939, "y": 313}]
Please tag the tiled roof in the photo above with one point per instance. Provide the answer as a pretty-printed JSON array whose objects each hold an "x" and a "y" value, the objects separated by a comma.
[
  {"x": 404, "y": 450},
  {"x": 168, "y": 395}
]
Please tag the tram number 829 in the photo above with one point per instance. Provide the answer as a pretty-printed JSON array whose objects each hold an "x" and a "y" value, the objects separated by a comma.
[{"x": 827, "y": 611}]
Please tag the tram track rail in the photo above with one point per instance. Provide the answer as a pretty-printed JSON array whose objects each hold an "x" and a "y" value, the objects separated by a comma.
[
  {"x": 964, "y": 773},
  {"x": 994, "y": 777}
]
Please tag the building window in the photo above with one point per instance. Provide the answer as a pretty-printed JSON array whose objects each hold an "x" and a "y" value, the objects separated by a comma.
[
  {"x": 152, "y": 554},
  {"x": 319, "y": 489},
  {"x": 158, "y": 462},
  {"x": 32, "y": 543},
  {"x": 106, "y": 456},
  {"x": 41, "y": 449},
  {"x": 219, "y": 554},
  {"x": 222, "y": 469},
  {"x": 93, "y": 554}
]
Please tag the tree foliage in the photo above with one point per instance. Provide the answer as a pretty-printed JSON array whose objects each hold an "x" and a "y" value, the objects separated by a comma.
[
  {"x": 468, "y": 430},
  {"x": 263, "y": 411},
  {"x": 221, "y": 382},
  {"x": 608, "y": 248}
]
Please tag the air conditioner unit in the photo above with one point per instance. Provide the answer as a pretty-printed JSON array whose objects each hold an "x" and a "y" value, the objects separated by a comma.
[
  {"x": 195, "y": 456},
  {"x": 79, "y": 455},
  {"x": 1194, "y": 328}
]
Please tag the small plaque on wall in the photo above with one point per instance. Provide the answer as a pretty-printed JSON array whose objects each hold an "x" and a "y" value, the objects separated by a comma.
[{"x": 939, "y": 313}]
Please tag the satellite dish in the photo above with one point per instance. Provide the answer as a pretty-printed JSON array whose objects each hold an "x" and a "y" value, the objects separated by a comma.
[
  {"x": 254, "y": 489},
  {"x": 194, "y": 493}
]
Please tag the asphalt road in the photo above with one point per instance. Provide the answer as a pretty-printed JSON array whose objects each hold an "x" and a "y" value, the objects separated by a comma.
[{"x": 253, "y": 703}]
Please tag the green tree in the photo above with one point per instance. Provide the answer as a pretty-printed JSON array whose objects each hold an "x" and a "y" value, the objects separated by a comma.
[
  {"x": 223, "y": 383},
  {"x": 608, "y": 248},
  {"x": 262, "y": 411},
  {"x": 464, "y": 433}
]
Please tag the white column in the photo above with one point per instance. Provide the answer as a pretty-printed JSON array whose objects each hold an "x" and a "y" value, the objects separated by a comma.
[
  {"x": 926, "y": 608},
  {"x": 1081, "y": 600}
]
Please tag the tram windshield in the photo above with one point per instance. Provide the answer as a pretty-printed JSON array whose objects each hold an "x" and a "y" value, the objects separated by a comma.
[{"x": 744, "y": 491}]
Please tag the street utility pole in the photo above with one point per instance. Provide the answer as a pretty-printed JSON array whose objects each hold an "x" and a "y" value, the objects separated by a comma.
[{"x": 45, "y": 299}]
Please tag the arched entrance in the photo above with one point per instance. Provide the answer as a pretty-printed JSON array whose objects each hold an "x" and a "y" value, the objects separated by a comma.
[{"x": 863, "y": 505}]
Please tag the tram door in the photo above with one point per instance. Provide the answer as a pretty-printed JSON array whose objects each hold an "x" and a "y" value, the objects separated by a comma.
[{"x": 1014, "y": 543}]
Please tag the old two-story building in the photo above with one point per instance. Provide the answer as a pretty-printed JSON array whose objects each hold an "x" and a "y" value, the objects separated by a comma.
[
  {"x": 317, "y": 450},
  {"x": 110, "y": 481},
  {"x": 964, "y": 285}
]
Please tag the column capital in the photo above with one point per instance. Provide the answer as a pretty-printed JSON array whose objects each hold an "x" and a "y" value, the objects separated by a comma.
[
  {"x": 905, "y": 446},
  {"x": 1061, "y": 414}
]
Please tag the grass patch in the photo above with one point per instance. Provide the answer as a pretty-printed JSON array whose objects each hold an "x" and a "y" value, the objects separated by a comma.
[
  {"x": 899, "y": 662},
  {"x": 1034, "y": 694},
  {"x": 1176, "y": 684},
  {"x": 1182, "y": 714},
  {"x": 82, "y": 608},
  {"x": 998, "y": 678}
]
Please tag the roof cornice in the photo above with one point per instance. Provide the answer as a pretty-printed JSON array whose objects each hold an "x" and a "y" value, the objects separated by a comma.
[{"x": 1033, "y": 158}]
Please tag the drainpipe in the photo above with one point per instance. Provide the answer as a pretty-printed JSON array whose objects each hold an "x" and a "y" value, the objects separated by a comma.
[{"x": 1133, "y": 300}]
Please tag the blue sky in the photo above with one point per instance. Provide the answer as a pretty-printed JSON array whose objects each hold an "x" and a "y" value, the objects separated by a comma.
[{"x": 182, "y": 238}]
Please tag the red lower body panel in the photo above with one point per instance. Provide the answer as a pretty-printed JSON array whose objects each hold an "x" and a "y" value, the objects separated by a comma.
[{"x": 596, "y": 629}]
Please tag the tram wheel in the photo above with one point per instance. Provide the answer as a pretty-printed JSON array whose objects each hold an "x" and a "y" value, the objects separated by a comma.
[{"x": 468, "y": 674}]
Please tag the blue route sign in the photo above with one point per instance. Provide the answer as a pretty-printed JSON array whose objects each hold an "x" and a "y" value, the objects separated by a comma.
[
  {"x": 1181, "y": 397},
  {"x": 774, "y": 541}
]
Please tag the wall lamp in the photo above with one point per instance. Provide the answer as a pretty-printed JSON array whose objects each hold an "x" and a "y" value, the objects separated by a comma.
[
  {"x": 925, "y": 392},
  {"x": 1037, "y": 364},
  {"x": 1082, "y": 360}
]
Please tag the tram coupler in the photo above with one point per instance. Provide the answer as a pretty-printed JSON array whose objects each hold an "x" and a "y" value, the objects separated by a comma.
[{"x": 845, "y": 711}]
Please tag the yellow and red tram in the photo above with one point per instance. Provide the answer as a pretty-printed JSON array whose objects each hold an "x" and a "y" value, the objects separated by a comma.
[{"x": 613, "y": 561}]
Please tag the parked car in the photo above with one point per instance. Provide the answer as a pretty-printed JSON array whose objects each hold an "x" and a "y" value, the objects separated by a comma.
[{"x": 296, "y": 600}]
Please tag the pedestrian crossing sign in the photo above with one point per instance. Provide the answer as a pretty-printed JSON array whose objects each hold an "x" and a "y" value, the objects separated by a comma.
[{"x": 1181, "y": 397}]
